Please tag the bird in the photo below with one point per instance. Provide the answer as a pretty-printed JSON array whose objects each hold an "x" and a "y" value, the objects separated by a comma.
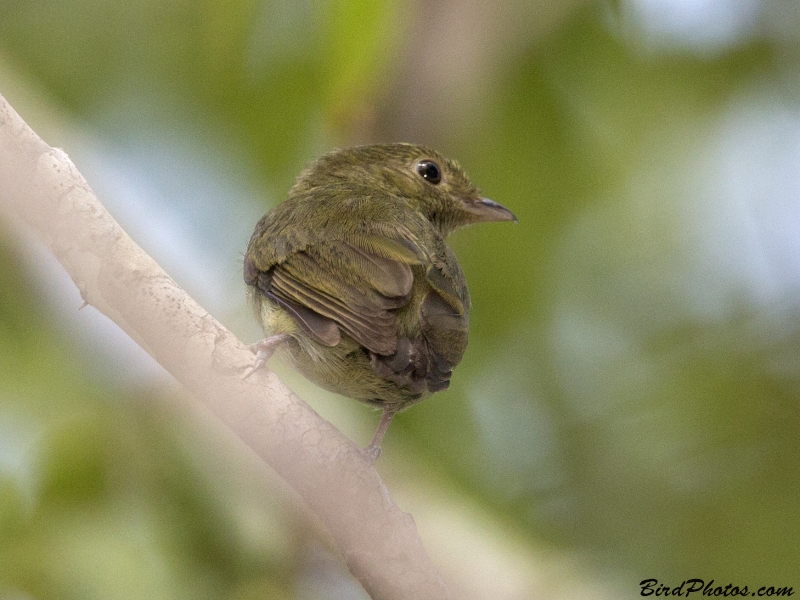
[{"x": 351, "y": 278}]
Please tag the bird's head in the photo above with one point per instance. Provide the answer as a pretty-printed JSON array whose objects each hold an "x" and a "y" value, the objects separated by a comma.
[{"x": 433, "y": 185}]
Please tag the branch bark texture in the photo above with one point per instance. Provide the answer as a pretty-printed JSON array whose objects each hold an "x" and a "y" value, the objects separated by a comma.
[{"x": 41, "y": 187}]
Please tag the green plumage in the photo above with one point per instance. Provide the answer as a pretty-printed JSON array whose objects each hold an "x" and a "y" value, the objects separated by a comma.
[{"x": 354, "y": 267}]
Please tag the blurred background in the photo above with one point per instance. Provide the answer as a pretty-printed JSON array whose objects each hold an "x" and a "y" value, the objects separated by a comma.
[{"x": 629, "y": 405}]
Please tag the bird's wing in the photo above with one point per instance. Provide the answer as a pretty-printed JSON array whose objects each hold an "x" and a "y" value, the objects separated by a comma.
[
  {"x": 444, "y": 319},
  {"x": 426, "y": 359},
  {"x": 339, "y": 260},
  {"x": 352, "y": 285}
]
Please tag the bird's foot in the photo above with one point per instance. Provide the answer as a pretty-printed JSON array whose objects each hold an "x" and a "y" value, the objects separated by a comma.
[
  {"x": 373, "y": 451},
  {"x": 263, "y": 350}
]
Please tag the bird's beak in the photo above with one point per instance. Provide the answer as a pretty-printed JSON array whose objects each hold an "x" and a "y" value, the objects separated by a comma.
[{"x": 489, "y": 210}]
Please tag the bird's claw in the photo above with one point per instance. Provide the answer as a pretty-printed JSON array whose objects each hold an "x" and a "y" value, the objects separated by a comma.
[
  {"x": 372, "y": 453},
  {"x": 263, "y": 350}
]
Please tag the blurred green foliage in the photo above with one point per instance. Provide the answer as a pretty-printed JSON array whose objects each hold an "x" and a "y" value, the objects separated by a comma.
[{"x": 631, "y": 391}]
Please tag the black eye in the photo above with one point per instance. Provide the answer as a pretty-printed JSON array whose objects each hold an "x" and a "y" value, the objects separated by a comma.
[{"x": 429, "y": 171}]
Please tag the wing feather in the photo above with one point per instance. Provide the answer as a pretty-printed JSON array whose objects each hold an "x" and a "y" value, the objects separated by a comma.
[{"x": 348, "y": 286}]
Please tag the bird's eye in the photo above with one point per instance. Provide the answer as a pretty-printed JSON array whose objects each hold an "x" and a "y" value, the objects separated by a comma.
[{"x": 429, "y": 171}]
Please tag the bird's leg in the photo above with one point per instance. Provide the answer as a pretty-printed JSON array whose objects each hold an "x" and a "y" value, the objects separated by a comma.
[
  {"x": 373, "y": 451},
  {"x": 263, "y": 350}
]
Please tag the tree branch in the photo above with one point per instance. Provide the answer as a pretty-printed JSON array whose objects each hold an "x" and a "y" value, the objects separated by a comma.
[{"x": 41, "y": 187}]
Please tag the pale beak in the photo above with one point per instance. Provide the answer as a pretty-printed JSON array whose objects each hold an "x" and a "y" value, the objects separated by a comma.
[{"x": 489, "y": 210}]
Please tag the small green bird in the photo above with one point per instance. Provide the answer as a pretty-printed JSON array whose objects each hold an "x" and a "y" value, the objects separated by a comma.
[{"x": 351, "y": 276}]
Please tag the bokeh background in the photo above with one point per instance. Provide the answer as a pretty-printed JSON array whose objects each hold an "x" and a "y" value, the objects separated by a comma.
[{"x": 629, "y": 406}]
